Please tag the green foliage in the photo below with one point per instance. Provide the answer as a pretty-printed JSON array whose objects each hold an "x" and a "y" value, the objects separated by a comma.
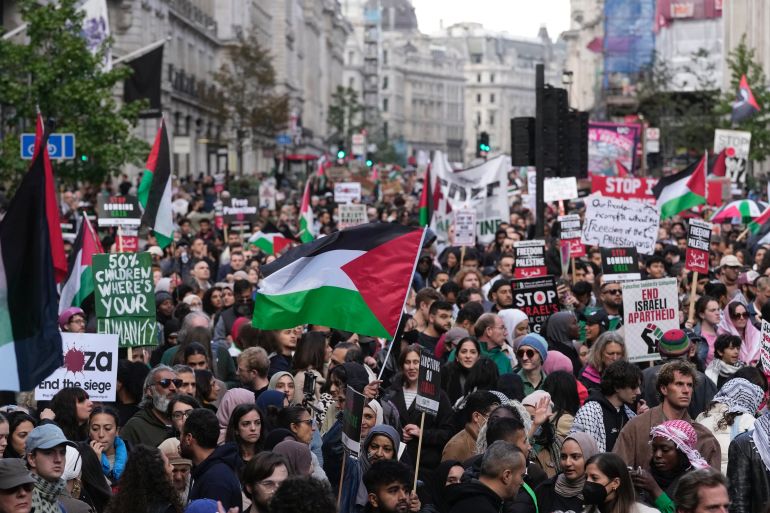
[
  {"x": 53, "y": 70},
  {"x": 743, "y": 61},
  {"x": 345, "y": 113}
]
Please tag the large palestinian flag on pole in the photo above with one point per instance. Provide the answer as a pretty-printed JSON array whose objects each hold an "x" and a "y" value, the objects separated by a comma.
[
  {"x": 155, "y": 190},
  {"x": 30, "y": 342},
  {"x": 80, "y": 282},
  {"x": 683, "y": 190},
  {"x": 353, "y": 280},
  {"x": 306, "y": 216}
]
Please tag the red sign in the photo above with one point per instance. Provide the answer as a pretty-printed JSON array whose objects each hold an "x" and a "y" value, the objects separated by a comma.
[
  {"x": 698, "y": 243},
  {"x": 571, "y": 234},
  {"x": 128, "y": 243},
  {"x": 638, "y": 189}
]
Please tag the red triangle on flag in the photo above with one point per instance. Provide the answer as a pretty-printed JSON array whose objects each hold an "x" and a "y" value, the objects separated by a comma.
[
  {"x": 720, "y": 167},
  {"x": 744, "y": 86},
  {"x": 621, "y": 169},
  {"x": 697, "y": 181}
]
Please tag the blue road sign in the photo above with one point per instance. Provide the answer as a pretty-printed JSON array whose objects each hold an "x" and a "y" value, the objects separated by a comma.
[
  {"x": 283, "y": 140},
  {"x": 60, "y": 146}
]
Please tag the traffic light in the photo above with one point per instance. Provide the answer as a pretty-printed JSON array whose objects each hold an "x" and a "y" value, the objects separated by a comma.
[
  {"x": 369, "y": 159},
  {"x": 482, "y": 147},
  {"x": 341, "y": 153},
  {"x": 84, "y": 158}
]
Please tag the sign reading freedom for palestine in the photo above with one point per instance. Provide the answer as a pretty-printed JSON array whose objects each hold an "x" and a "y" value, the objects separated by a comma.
[
  {"x": 530, "y": 259},
  {"x": 125, "y": 297},
  {"x": 698, "y": 243}
]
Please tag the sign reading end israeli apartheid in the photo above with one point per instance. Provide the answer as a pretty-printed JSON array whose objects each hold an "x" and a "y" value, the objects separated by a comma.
[
  {"x": 620, "y": 264},
  {"x": 90, "y": 362},
  {"x": 698, "y": 243},
  {"x": 764, "y": 348},
  {"x": 428, "y": 384},
  {"x": 537, "y": 298},
  {"x": 530, "y": 259},
  {"x": 351, "y": 421},
  {"x": 125, "y": 297},
  {"x": 650, "y": 308}
]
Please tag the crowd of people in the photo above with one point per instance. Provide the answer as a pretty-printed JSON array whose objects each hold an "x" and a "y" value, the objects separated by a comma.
[{"x": 222, "y": 416}]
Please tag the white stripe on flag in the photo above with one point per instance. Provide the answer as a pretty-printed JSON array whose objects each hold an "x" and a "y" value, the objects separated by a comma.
[{"x": 308, "y": 273}]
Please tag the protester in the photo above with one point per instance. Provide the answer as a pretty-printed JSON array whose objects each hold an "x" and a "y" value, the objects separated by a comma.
[
  {"x": 726, "y": 360},
  {"x": 262, "y": 476},
  {"x": 532, "y": 352},
  {"x": 20, "y": 425},
  {"x": 245, "y": 428},
  {"x": 181, "y": 468},
  {"x": 748, "y": 467},
  {"x": 150, "y": 425},
  {"x": 704, "y": 490},
  {"x": 477, "y": 408},
  {"x": 16, "y": 486},
  {"x": 146, "y": 484},
  {"x": 46, "y": 450},
  {"x": 735, "y": 321},
  {"x": 303, "y": 495},
  {"x": 109, "y": 448},
  {"x": 609, "y": 347},
  {"x": 562, "y": 331},
  {"x": 708, "y": 315},
  {"x": 72, "y": 320},
  {"x": 72, "y": 408},
  {"x": 565, "y": 491},
  {"x": 454, "y": 375}
]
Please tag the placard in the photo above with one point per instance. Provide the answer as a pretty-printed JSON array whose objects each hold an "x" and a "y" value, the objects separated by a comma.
[
  {"x": 90, "y": 362},
  {"x": 529, "y": 259},
  {"x": 571, "y": 234},
  {"x": 609, "y": 143},
  {"x": 628, "y": 188},
  {"x": 428, "y": 384},
  {"x": 557, "y": 189},
  {"x": 351, "y": 214},
  {"x": 764, "y": 348},
  {"x": 267, "y": 194},
  {"x": 118, "y": 211},
  {"x": 219, "y": 183},
  {"x": 537, "y": 298},
  {"x": 239, "y": 211},
  {"x": 620, "y": 264},
  {"x": 698, "y": 244},
  {"x": 125, "y": 297},
  {"x": 465, "y": 227},
  {"x": 128, "y": 240},
  {"x": 615, "y": 223},
  {"x": 351, "y": 421},
  {"x": 737, "y": 144},
  {"x": 347, "y": 192},
  {"x": 650, "y": 308}
]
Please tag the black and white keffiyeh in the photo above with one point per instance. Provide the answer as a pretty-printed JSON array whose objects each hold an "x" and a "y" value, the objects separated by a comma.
[{"x": 741, "y": 396}]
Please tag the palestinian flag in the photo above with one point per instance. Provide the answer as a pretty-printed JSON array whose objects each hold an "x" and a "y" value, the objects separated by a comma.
[
  {"x": 426, "y": 199},
  {"x": 271, "y": 243},
  {"x": 682, "y": 191},
  {"x": 30, "y": 342},
  {"x": 622, "y": 171},
  {"x": 155, "y": 190},
  {"x": 353, "y": 280},
  {"x": 755, "y": 226},
  {"x": 719, "y": 167},
  {"x": 744, "y": 106},
  {"x": 306, "y": 216},
  {"x": 80, "y": 282}
]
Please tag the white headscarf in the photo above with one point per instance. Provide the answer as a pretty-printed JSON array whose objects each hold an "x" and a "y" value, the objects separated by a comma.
[{"x": 512, "y": 317}]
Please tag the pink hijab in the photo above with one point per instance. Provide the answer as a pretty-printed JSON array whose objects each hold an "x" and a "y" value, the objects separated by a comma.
[
  {"x": 232, "y": 398},
  {"x": 752, "y": 340}
]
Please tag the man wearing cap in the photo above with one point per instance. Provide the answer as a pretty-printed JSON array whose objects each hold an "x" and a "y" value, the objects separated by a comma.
[
  {"x": 531, "y": 352},
  {"x": 180, "y": 476},
  {"x": 676, "y": 345},
  {"x": 151, "y": 425},
  {"x": 72, "y": 320},
  {"x": 46, "y": 451},
  {"x": 729, "y": 271},
  {"x": 16, "y": 485}
]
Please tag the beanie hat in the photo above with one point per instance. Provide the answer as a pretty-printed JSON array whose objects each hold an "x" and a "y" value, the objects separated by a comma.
[
  {"x": 674, "y": 343},
  {"x": 557, "y": 362},
  {"x": 162, "y": 296},
  {"x": 69, "y": 313},
  {"x": 536, "y": 342}
]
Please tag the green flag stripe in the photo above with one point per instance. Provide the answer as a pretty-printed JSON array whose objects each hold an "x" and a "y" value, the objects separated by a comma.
[
  {"x": 86, "y": 286},
  {"x": 143, "y": 193},
  {"x": 680, "y": 204}
]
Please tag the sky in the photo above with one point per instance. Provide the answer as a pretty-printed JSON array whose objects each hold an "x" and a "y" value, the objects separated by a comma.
[{"x": 517, "y": 17}]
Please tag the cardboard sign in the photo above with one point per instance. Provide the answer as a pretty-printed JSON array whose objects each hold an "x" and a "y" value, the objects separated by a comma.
[
  {"x": 239, "y": 211},
  {"x": 267, "y": 194},
  {"x": 351, "y": 421},
  {"x": 219, "y": 183},
  {"x": 609, "y": 143},
  {"x": 571, "y": 233},
  {"x": 737, "y": 144},
  {"x": 620, "y": 264},
  {"x": 698, "y": 243},
  {"x": 558, "y": 189},
  {"x": 614, "y": 223},
  {"x": 537, "y": 298},
  {"x": 351, "y": 214},
  {"x": 465, "y": 227},
  {"x": 347, "y": 192},
  {"x": 638, "y": 189},
  {"x": 428, "y": 384},
  {"x": 128, "y": 240},
  {"x": 90, "y": 362},
  {"x": 530, "y": 259},
  {"x": 118, "y": 211},
  {"x": 125, "y": 297},
  {"x": 650, "y": 308},
  {"x": 219, "y": 220},
  {"x": 764, "y": 349}
]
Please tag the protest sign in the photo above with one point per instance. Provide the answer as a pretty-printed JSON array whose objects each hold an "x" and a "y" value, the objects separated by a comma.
[
  {"x": 764, "y": 349},
  {"x": 267, "y": 194},
  {"x": 736, "y": 144},
  {"x": 530, "y": 259},
  {"x": 698, "y": 243},
  {"x": 650, "y": 308},
  {"x": 90, "y": 362},
  {"x": 428, "y": 384},
  {"x": 239, "y": 211},
  {"x": 219, "y": 182},
  {"x": 483, "y": 188},
  {"x": 128, "y": 240},
  {"x": 347, "y": 192},
  {"x": 558, "y": 189},
  {"x": 571, "y": 233},
  {"x": 620, "y": 264},
  {"x": 219, "y": 220},
  {"x": 351, "y": 214},
  {"x": 615, "y": 223},
  {"x": 351, "y": 421},
  {"x": 125, "y": 297},
  {"x": 118, "y": 211},
  {"x": 537, "y": 298},
  {"x": 609, "y": 143},
  {"x": 632, "y": 188},
  {"x": 465, "y": 227}
]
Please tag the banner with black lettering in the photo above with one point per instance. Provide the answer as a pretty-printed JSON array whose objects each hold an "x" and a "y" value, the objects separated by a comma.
[
  {"x": 537, "y": 298},
  {"x": 620, "y": 264},
  {"x": 650, "y": 308},
  {"x": 428, "y": 384},
  {"x": 530, "y": 259}
]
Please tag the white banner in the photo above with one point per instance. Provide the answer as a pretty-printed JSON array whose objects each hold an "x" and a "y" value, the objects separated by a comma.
[
  {"x": 90, "y": 362},
  {"x": 556, "y": 189},
  {"x": 351, "y": 214},
  {"x": 483, "y": 188},
  {"x": 465, "y": 227},
  {"x": 616, "y": 223},
  {"x": 347, "y": 192},
  {"x": 737, "y": 144},
  {"x": 650, "y": 308}
]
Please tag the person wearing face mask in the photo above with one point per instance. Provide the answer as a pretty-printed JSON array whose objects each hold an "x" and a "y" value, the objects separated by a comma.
[
  {"x": 439, "y": 482},
  {"x": 477, "y": 408},
  {"x": 564, "y": 492},
  {"x": 608, "y": 487}
]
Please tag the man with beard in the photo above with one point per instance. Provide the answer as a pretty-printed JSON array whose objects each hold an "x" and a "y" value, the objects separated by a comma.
[
  {"x": 611, "y": 295},
  {"x": 439, "y": 322},
  {"x": 262, "y": 476},
  {"x": 150, "y": 425},
  {"x": 501, "y": 295},
  {"x": 388, "y": 485},
  {"x": 243, "y": 307},
  {"x": 215, "y": 469}
]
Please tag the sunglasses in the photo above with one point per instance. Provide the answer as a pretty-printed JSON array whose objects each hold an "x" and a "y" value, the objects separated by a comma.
[
  {"x": 27, "y": 487},
  {"x": 165, "y": 383},
  {"x": 614, "y": 292},
  {"x": 740, "y": 315},
  {"x": 529, "y": 353}
]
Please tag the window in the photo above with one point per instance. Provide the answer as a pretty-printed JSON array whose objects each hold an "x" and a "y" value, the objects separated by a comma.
[
  {"x": 350, "y": 57},
  {"x": 384, "y": 82},
  {"x": 478, "y": 98},
  {"x": 491, "y": 78},
  {"x": 491, "y": 118},
  {"x": 384, "y": 105},
  {"x": 476, "y": 58},
  {"x": 478, "y": 77},
  {"x": 478, "y": 118},
  {"x": 385, "y": 57},
  {"x": 492, "y": 98}
]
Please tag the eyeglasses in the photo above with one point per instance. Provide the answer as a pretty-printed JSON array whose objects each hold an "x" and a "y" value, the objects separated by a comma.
[
  {"x": 740, "y": 315},
  {"x": 178, "y": 415},
  {"x": 166, "y": 383},
  {"x": 614, "y": 291},
  {"x": 27, "y": 487},
  {"x": 529, "y": 353},
  {"x": 309, "y": 422}
]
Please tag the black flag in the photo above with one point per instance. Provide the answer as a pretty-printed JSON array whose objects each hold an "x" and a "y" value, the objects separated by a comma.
[{"x": 144, "y": 82}]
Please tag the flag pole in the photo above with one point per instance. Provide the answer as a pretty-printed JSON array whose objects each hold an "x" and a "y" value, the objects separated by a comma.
[
  {"x": 18, "y": 30},
  {"x": 419, "y": 451},
  {"x": 120, "y": 240},
  {"x": 693, "y": 286},
  {"x": 403, "y": 306}
]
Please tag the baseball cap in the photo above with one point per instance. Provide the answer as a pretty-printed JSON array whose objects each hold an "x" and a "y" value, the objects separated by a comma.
[
  {"x": 170, "y": 447},
  {"x": 599, "y": 317},
  {"x": 730, "y": 261},
  {"x": 155, "y": 250},
  {"x": 748, "y": 278},
  {"x": 13, "y": 473},
  {"x": 46, "y": 436}
]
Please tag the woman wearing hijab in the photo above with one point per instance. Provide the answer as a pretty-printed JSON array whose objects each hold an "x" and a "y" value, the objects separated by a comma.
[
  {"x": 735, "y": 321},
  {"x": 561, "y": 331},
  {"x": 439, "y": 481},
  {"x": 564, "y": 492},
  {"x": 232, "y": 398},
  {"x": 373, "y": 416},
  {"x": 731, "y": 412},
  {"x": 298, "y": 455},
  {"x": 516, "y": 323},
  {"x": 674, "y": 454},
  {"x": 748, "y": 469},
  {"x": 283, "y": 382}
]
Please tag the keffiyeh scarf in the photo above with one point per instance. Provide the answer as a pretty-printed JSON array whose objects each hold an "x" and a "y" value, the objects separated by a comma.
[
  {"x": 682, "y": 434},
  {"x": 46, "y": 495},
  {"x": 741, "y": 396},
  {"x": 762, "y": 438}
]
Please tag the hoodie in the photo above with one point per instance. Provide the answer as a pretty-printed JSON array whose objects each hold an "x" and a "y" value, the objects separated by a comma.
[
  {"x": 473, "y": 497},
  {"x": 217, "y": 477}
]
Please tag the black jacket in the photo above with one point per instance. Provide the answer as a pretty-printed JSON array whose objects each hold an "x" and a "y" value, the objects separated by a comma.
[
  {"x": 549, "y": 501},
  {"x": 473, "y": 497},
  {"x": 747, "y": 476},
  {"x": 217, "y": 477}
]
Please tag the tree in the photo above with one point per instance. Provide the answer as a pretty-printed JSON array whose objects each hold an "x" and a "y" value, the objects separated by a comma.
[
  {"x": 344, "y": 113},
  {"x": 742, "y": 61},
  {"x": 55, "y": 71},
  {"x": 248, "y": 99}
]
